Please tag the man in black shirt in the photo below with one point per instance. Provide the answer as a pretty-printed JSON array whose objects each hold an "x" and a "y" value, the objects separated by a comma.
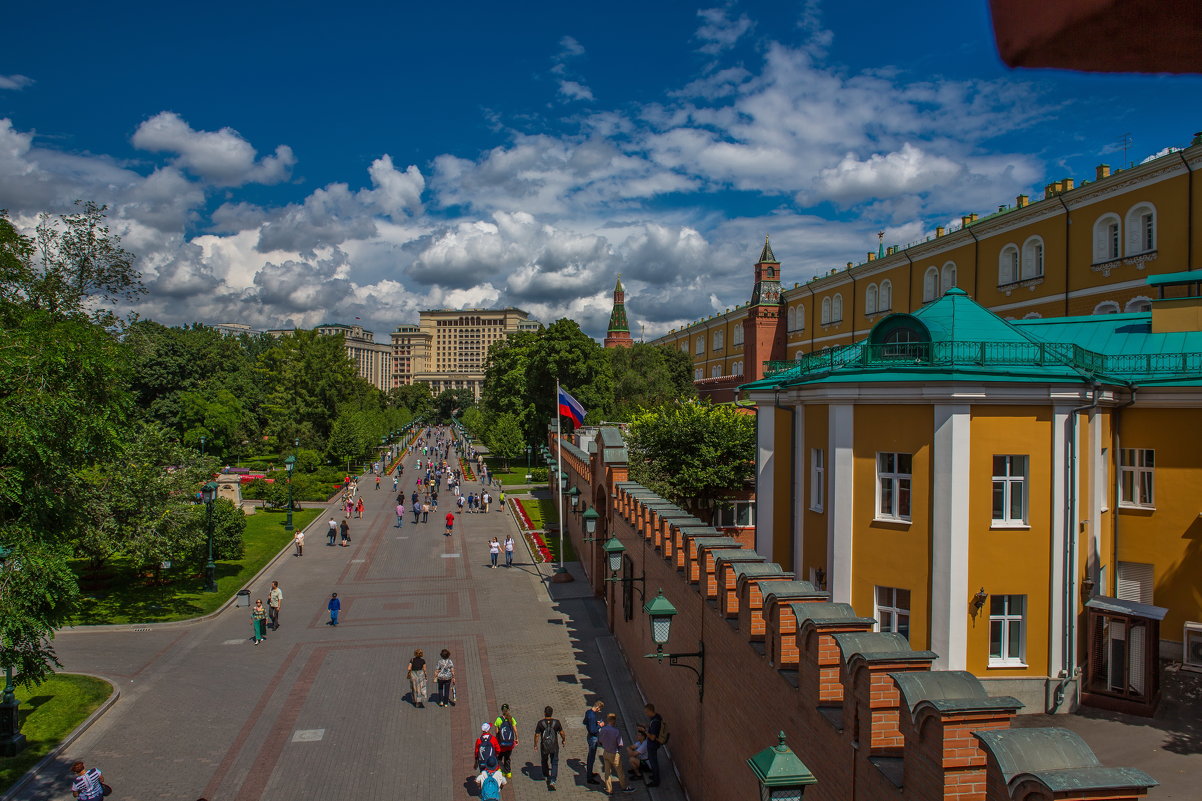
[{"x": 548, "y": 736}]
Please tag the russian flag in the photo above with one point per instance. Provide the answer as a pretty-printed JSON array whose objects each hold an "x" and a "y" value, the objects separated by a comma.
[{"x": 570, "y": 407}]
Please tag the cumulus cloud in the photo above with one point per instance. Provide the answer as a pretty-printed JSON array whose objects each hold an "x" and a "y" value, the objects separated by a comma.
[
  {"x": 396, "y": 191},
  {"x": 16, "y": 82},
  {"x": 221, "y": 157},
  {"x": 720, "y": 29},
  {"x": 575, "y": 90},
  {"x": 905, "y": 171}
]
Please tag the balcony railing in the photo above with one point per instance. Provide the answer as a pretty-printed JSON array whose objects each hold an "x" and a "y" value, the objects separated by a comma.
[{"x": 990, "y": 354}]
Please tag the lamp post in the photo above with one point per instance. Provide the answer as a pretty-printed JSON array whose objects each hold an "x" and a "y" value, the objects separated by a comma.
[
  {"x": 527, "y": 457},
  {"x": 12, "y": 741},
  {"x": 781, "y": 775},
  {"x": 590, "y": 518},
  {"x": 614, "y": 550},
  {"x": 202, "y": 444},
  {"x": 289, "y": 465},
  {"x": 574, "y": 497},
  {"x": 209, "y": 494},
  {"x": 660, "y": 611}
]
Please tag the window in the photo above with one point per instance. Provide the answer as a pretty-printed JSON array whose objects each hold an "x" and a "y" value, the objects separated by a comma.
[
  {"x": 930, "y": 284},
  {"x": 893, "y": 611},
  {"x": 737, "y": 337},
  {"x": 715, "y": 371},
  {"x": 826, "y": 310},
  {"x": 837, "y": 309},
  {"x": 1007, "y": 630},
  {"x": 870, "y": 299},
  {"x": 1009, "y": 490},
  {"x": 1032, "y": 266},
  {"x": 791, "y": 318},
  {"x": 1106, "y": 238},
  {"x": 949, "y": 276},
  {"x": 1107, "y": 307},
  {"x": 1141, "y": 229},
  {"x": 1135, "y": 582},
  {"x": 736, "y": 514},
  {"x": 893, "y": 486},
  {"x": 885, "y": 299},
  {"x": 684, "y": 346},
  {"x": 1007, "y": 268},
  {"x": 801, "y": 317},
  {"x": 700, "y": 348},
  {"x": 1135, "y": 477},
  {"x": 1139, "y": 304},
  {"x": 718, "y": 337},
  {"x": 817, "y": 478},
  {"x": 698, "y": 373}
]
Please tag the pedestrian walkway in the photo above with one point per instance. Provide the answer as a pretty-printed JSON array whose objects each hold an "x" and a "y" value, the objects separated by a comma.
[{"x": 318, "y": 712}]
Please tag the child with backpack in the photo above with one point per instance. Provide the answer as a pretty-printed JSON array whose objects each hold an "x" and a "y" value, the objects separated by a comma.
[
  {"x": 507, "y": 738},
  {"x": 491, "y": 781},
  {"x": 486, "y": 747}
]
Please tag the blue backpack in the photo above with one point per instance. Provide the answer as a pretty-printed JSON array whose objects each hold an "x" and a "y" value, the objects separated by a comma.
[{"x": 491, "y": 789}]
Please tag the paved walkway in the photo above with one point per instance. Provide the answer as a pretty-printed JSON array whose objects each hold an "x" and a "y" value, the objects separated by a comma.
[{"x": 320, "y": 712}]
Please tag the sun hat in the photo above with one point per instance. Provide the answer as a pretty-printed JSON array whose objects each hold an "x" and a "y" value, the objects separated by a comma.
[{"x": 485, "y": 727}]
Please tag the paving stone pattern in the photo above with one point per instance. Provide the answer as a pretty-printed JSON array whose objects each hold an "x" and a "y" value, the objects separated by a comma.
[{"x": 321, "y": 712}]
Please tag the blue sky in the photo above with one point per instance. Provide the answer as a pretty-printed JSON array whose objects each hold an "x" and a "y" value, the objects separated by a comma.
[{"x": 288, "y": 164}]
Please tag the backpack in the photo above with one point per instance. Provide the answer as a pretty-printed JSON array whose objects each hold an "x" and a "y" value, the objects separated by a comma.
[
  {"x": 487, "y": 749},
  {"x": 664, "y": 734},
  {"x": 506, "y": 735},
  {"x": 547, "y": 741},
  {"x": 491, "y": 789}
]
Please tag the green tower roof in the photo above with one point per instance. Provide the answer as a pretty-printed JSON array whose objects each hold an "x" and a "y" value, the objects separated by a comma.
[{"x": 766, "y": 255}]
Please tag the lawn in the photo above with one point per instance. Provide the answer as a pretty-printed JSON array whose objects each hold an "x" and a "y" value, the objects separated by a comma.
[
  {"x": 515, "y": 477},
  {"x": 542, "y": 511},
  {"x": 130, "y": 599},
  {"x": 49, "y": 712}
]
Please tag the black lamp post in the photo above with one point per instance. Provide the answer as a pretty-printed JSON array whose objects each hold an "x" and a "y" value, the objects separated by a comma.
[
  {"x": 209, "y": 494},
  {"x": 289, "y": 465},
  {"x": 661, "y": 611},
  {"x": 12, "y": 741}
]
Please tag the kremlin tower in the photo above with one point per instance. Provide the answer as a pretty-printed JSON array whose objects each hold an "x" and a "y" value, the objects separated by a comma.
[{"x": 618, "y": 335}]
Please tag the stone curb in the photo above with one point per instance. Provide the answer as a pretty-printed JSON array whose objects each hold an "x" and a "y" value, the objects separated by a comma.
[{"x": 66, "y": 741}]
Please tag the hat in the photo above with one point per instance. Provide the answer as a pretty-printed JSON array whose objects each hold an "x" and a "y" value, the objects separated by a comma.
[
  {"x": 504, "y": 707},
  {"x": 485, "y": 727},
  {"x": 491, "y": 763}
]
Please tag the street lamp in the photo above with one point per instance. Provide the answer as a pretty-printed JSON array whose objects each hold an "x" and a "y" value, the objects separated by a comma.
[
  {"x": 614, "y": 550},
  {"x": 202, "y": 444},
  {"x": 12, "y": 741},
  {"x": 209, "y": 494},
  {"x": 527, "y": 457},
  {"x": 574, "y": 495},
  {"x": 590, "y": 518},
  {"x": 782, "y": 776},
  {"x": 660, "y": 611},
  {"x": 289, "y": 465}
]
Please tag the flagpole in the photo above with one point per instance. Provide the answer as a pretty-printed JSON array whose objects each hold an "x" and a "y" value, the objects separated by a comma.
[{"x": 559, "y": 475}]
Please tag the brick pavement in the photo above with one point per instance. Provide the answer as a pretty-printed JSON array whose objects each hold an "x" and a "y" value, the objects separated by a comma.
[{"x": 319, "y": 712}]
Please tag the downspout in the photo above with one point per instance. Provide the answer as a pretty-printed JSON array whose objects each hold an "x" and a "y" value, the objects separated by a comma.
[
  {"x": 810, "y": 315},
  {"x": 1189, "y": 211},
  {"x": 976, "y": 261},
  {"x": 1068, "y": 249},
  {"x": 1116, "y": 458},
  {"x": 909, "y": 281}
]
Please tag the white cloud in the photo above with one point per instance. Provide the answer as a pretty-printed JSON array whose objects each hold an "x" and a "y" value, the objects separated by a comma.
[
  {"x": 221, "y": 157},
  {"x": 720, "y": 30},
  {"x": 396, "y": 191},
  {"x": 574, "y": 90},
  {"x": 569, "y": 47},
  {"x": 16, "y": 82},
  {"x": 906, "y": 171}
]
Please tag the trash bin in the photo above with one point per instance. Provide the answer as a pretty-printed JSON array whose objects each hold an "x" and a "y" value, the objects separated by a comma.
[{"x": 242, "y": 598}]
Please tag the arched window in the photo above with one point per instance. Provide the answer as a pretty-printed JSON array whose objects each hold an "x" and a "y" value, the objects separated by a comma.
[
  {"x": 826, "y": 310},
  {"x": 684, "y": 346},
  {"x": 949, "y": 277},
  {"x": 870, "y": 299},
  {"x": 1007, "y": 265},
  {"x": 738, "y": 336},
  {"x": 1032, "y": 316},
  {"x": 837, "y": 309},
  {"x": 1106, "y": 238},
  {"x": 792, "y": 319},
  {"x": 1138, "y": 304},
  {"x": 930, "y": 284},
  {"x": 801, "y": 317},
  {"x": 1032, "y": 258},
  {"x": 1141, "y": 229},
  {"x": 885, "y": 299},
  {"x": 715, "y": 371},
  {"x": 718, "y": 337},
  {"x": 1107, "y": 307}
]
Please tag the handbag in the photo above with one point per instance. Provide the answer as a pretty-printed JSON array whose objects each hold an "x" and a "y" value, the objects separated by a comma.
[{"x": 105, "y": 790}]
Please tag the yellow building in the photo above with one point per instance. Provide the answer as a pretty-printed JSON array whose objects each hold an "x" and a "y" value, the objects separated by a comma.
[
  {"x": 372, "y": 361},
  {"x": 1019, "y": 497},
  {"x": 448, "y": 348}
]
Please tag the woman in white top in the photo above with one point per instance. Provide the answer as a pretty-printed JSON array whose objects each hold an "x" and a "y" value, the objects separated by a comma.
[
  {"x": 494, "y": 550},
  {"x": 508, "y": 550}
]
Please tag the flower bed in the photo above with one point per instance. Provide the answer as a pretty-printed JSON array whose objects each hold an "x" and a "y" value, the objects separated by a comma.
[
  {"x": 465, "y": 468},
  {"x": 538, "y": 545}
]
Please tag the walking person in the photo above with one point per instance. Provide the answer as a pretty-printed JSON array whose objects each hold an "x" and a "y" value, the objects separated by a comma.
[
  {"x": 657, "y": 735},
  {"x": 346, "y": 533},
  {"x": 444, "y": 672},
  {"x": 333, "y": 532},
  {"x": 594, "y": 719},
  {"x": 548, "y": 736},
  {"x": 258, "y": 620},
  {"x": 377, "y": 482},
  {"x": 490, "y": 780},
  {"x": 334, "y": 606},
  {"x": 494, "y": 550},
  {"x": 486, "y": 749},
  {"x": 507, "y": 738},
  {"x": 417, "y": 510},
  {"x": 400, "y": 515},
  {"x": 450, "y": 523},
  {"x": 509, "y": 550},
  {"x": 487, "y": 500},
  {"x": 417, "y": 679},
  {"x": 359, "y": 506},
  {"x": 88, "y": 784},
  {"x": 425, "y": 511},
  {"x": 275, "y": 599},
  {"x": 298, "y": 539},
  {"x": 348, "y": 508},
  {"x": 609, "y": 738}
]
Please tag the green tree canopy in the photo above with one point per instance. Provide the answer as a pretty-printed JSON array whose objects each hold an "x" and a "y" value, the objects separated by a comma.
[
  {"x": 504, "y": 438},
  {"x": 648, "y": 376}
]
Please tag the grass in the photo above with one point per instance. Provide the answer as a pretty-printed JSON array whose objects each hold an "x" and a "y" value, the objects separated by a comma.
[
  {"x": 542, "y": 511},
  {"x": 130, "y": 599},
  {"x": 49, "y": 712},
  {"x": 516, "y": 476}
]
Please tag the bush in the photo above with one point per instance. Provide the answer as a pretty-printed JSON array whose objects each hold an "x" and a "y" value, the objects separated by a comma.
[
  {"x": 277, "y": 495},
  {"x": 255, "y": 490},
  {"x": 539, "y": 475}
]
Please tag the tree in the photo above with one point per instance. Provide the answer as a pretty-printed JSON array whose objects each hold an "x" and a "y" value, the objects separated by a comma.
[
  {"x": 692, "y": 453},
  {"x": 307, "y": 375},
  {"x": 452, "y": 401},
  {"x": 648, "y": 376},
  {"x": 504, "y": 438},
  {"x": 417, "y": 398}
]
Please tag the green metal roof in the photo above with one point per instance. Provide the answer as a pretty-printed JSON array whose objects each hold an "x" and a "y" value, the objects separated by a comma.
[
  {"x": 758, "y": 569},
  {"x": 792, "y": 589},
  {"x": 1057, "y": 758},
  {"x": 826, "y": 612},
  {"x": 1175, "y": 279},
  {"x": 948, "y": 690}
]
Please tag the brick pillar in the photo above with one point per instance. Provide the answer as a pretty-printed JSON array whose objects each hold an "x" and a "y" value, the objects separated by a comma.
[
  {"x": 751, "y": 603},
  {"x": 717, "y": 561},
  {"x": 728, "y": 582},
  {"x": 694, "y": 557},
  {"x": 821, "y": 660},
  {"x": 780, "y": 621},
  {"x": 871, "y": 701}
]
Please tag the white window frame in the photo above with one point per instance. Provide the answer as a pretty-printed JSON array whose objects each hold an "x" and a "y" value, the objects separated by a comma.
[
  {"x": 892, "y": 485},
  {"x": 930, "y": 284},
  {"x": 826, "y": 311},
  {"x": 889, "y": 615},
  {"x": 790, "y": 317},
  {"x": 737, "y": 337},
  {"x": 699, "y": 347},
  {"x": 698, "y": 373},
  {"x": 1140, "y": 218},
  {"x": 1008, "y": 265},
  {"x": 1107, "y": 307},
  {"x": 1140, "y": 303},
  {"x": 1107, "y": 238},
  {"x": 716, "y": 371},
  {"x": 870, "y": 299},
  {"x": 1032, "y": 263},
  {"x": 801, "y": 318},
  {"x": 817, "y": 479},
  {"x": 1011, "y": 479},
  {"x": 1137, "y": 478},
  {"x": 718, "y": 340},
  {"x": 729, "y": 513},
  {"x": 885, "y": 297},
  {"x": 948, "y": 279},
  {"x": 837, "y": 308},
  {"x": 1004, "y": 619}
]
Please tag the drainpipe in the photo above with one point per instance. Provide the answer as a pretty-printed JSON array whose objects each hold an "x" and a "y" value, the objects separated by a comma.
[
  {"x": 909, "y": 282},
  {"x": 1068, "y": 249},
  {"x": 1189, "y": 211},
  {"x": 1115, "y": 456},
  {"x": 976, "y": 262},
  {"x": 810, "y": 315}
]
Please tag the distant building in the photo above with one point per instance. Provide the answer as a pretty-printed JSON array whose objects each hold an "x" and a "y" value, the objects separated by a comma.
[
  {"x": 235, "y": 329},
  {"x": 371, "y": 360},
  {"x": 448, "y": 348},
  {"x": 618, "y": 334}
]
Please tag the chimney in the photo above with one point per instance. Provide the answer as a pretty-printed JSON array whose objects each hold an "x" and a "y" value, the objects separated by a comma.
[
  {"x": 1102, "y": 171},
  {"x": 973, "y": 217},
  {"x": 1021, "y": 201},
  {"x": 964, "y": 220},
  {"x": 938, "y": 231},
  {"x": 871, "y": 256},
  {"x": 1068, "y": 184},
  {"x": 889, "y": 251}
]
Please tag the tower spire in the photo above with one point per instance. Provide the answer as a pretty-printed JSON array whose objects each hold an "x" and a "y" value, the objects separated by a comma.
[
  {"x": 766, "y": 255},
  {"x": 618, "y": 334}
]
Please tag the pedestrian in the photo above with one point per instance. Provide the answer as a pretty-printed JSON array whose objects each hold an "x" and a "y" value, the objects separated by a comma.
[
  {"x": 501, "y": 505},
  {"x": 444, "y": 672},
  {"x": 333, "y": 532},
  {"x": 507, "y": 738},
  {"x": 88, "y": 784},
  {"x": 345, "y": 528},
  {"x": 491, "y": 781},
  {"x": 593, "y": 721},
  {"x": 509, "y": 550},
  {"x": 335, "y": 606},
  {"x": 450, "y": 523},
  {"x": 348, "y": 508},
  {"x": 609, "y": 738},
  {"x": 638, "y": 755},
  {"x": 258, "y": 620},
  {"x": 359, "y": 506},
  {"x": 395, "y": 482},
  {"x": 400, "y": 515},
  {"x": 547, "y": 743},
  {"x": 377, "y": 483},
  {"x": 486, "y": 749},
  {"x": 460, "y": 501},
  {"x": 657, "y": 735},
  {"x": 487, "y": 501},
  {"x": 494, "y": 550},
  {"x": 425, "y": 511},
  {"x": 417, "y": 679},
  {"x": 275, "y": 599},
  {"x": 298, "y": 539}
]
